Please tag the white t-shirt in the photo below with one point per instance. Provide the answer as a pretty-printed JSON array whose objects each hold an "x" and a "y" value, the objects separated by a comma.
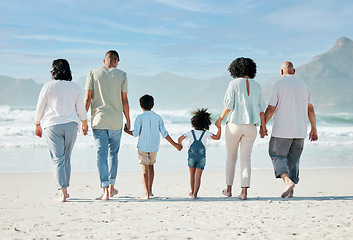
[
  {"x": 291, "y": 97},
  {"x": 206, "y": 136},
  {"x": 60, "y": 102}
]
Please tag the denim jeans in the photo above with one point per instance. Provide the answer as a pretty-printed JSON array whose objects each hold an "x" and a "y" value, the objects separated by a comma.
[
  {"x": 107, "y": 141},
  {"x": 60, "y": 140},
  {"x": 285, "y": 155}
]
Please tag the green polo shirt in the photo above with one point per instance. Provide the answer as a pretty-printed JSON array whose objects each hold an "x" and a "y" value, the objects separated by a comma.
[{"x": 106, "y": 106}]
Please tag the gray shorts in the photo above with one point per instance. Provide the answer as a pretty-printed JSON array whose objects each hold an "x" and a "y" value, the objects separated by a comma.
[{"x": 285, "y": 155}]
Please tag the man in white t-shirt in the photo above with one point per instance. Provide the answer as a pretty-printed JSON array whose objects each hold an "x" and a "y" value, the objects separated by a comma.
[{"x": 290, "y": 105}]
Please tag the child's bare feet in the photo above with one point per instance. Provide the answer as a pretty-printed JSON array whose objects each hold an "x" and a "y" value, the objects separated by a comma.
[
  {"x": 190, "y": 194},
  {"x": 242, "y": 197},
  {"x": 289, "y": 188},
  {"x": 228, "y": 194}
]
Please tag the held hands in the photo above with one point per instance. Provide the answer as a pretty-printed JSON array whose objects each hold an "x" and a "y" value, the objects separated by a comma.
[
  {"x": 263, "y": 131},
  {"x": 126, "y": 129},
  {"x": 127, "y": 125},
  {"x": 84, "y": 128},
  {"x": 178, "y": 147}
]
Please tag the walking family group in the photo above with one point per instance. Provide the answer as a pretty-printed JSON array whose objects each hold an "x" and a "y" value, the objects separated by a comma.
[{"x": 62, "y": 106}]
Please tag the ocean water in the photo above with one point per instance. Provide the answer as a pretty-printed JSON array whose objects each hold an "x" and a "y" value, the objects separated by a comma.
[{"x": 22, "y": 151}]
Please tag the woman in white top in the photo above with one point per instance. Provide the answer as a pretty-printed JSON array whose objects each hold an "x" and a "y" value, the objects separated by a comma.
[
  {"x": 59, "y": 110},
  {"x": 244, "y": 105}
]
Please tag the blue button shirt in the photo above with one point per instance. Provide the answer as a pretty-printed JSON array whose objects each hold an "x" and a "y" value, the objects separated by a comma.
[
  {"x": 245, "y": 109},
  {"x": 147, "y": 127}
]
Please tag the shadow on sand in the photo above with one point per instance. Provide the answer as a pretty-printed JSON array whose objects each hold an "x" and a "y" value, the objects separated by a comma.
[{"x": 124, "y": 199}]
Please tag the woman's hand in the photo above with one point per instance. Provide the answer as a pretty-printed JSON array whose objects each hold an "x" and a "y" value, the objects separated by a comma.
[
  {"x": 39, "y": 131},
  {"x": 84, "y": 127}
]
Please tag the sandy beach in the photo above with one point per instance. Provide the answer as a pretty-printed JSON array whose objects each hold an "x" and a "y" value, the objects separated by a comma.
[{"x": 321, "y": 209}]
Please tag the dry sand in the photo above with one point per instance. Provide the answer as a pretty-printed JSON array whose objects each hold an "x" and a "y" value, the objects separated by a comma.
[{"x": 321, "y": 209}]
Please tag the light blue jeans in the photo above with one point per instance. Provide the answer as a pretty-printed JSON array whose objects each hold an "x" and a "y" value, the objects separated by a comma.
[
  {"x": 60, "y": 140},
  {"x": 107, "y": 141}
]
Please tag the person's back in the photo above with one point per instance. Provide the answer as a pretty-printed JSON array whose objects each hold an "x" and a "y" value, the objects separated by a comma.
[
  {"x": 245, "y": 100},
  {"x": 291, "y": 97},
  {"x": 106, "y": 107},
  {"x": 290, "y": 105},
  {"x": 149, "y": 126},
  {"x": 106, "y": 94},
  {"x": 64, "y": 106},
  {"x": 197, "y": 149}
]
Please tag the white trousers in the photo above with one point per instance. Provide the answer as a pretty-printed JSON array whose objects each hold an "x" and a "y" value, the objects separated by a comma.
[{"x": 243, "y": 135}]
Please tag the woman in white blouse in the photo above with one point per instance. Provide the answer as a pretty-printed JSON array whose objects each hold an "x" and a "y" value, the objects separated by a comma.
[
  {"x": 244, "y": 105},
  {"x": 59, "y": 110}
]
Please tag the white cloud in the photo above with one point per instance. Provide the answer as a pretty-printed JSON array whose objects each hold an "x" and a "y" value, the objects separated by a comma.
[
  {"x": 185, "y": 5},
  {"x": 156, "y": 30},
  {"x": 63, "y": 39}
]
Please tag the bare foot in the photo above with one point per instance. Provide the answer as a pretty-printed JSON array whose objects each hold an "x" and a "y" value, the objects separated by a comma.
[
  {"x": 289, "y": 188},
  {"x": 291, "y": 194},
  {"x": 195, "y": 197},
  {"x": 242, "y": 197},
  {"x": 61, "y": 199},
  {"x": 115, "y": 192},
  {"x": 146, "y": 197},
  {"x": 103, "y": 197},
  {"x": 190, "y": 194},
  {"x": 67, "y": 195},
  {"x": 228, "y": 194}
]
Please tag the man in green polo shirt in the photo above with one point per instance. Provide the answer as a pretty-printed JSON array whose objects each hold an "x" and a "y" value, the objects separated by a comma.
[{"x": 106, "y": 93}]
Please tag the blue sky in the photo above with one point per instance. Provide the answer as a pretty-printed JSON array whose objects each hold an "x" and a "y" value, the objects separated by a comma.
[{"x": 188, "y": 38}]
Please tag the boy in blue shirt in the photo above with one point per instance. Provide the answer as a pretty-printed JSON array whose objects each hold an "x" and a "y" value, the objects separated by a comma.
[{"x": 147, "y": 127}]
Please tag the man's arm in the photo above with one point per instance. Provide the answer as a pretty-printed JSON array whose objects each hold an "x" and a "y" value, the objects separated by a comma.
[
  {"x": 126, "y": 109},
  {"x": 312, "y": 118},
  {"x": 88, "y": 99},
  {"x": 269, "y": 113}
]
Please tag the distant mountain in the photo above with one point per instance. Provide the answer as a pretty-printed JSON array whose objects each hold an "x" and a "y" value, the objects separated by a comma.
[
  {"x": 176, "y": 92},
  {"x": 328, "y": 75},
  {"x": 19, "y": 92}
]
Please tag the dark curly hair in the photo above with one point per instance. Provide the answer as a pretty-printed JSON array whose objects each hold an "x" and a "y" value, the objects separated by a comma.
[
  {"x": 241, "y": 67},
  {"x": 61, "y": 70},
  {"x": 147, "y": 102},
  {"x": 201, "y": 119}
]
